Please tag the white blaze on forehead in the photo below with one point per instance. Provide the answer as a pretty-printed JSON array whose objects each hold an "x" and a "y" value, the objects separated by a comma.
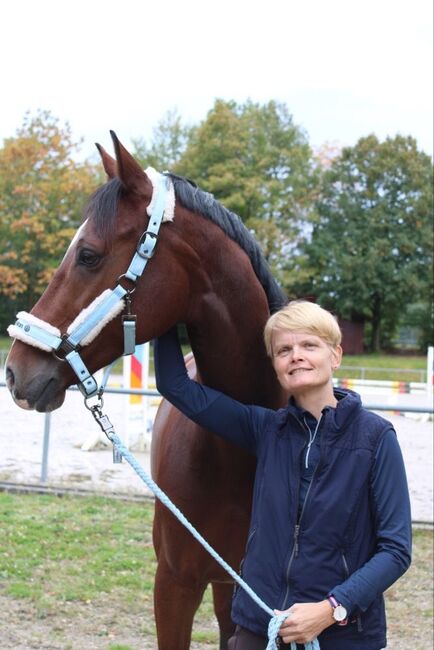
[{"x": 75, "y": 238}]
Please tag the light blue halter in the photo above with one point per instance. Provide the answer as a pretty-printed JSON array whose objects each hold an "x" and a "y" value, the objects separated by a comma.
[{"x": 68, "y": 345}]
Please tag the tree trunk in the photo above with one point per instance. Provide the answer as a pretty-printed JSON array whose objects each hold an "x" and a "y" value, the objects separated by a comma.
[{"x": 376, "y": 325}]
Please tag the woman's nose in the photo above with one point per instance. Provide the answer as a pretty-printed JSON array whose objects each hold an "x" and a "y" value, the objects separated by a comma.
[{"x": 296, "y": 353}]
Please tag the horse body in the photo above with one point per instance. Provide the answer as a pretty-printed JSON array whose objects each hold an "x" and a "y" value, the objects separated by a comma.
[
  {"x": 213, "y": 479},
  {"x": 203, "y": 278}
]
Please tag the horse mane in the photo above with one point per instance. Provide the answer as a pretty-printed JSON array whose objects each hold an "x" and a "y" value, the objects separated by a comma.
[
  {"x": 103, "y": 206},
  {"x": 206, "y": 205}
]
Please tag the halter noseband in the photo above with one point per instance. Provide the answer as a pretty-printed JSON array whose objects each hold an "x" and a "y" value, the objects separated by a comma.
[{"x": 105, "y": 307}]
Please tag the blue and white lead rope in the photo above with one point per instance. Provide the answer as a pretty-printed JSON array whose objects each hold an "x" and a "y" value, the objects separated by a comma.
[{"x": 276, "y": 619}]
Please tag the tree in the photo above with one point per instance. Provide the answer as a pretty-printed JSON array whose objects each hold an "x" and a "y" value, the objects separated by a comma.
[
  {"x": 42, "y": 193},
  {"x": 169, "y": 141},
  {"x": 370, "y": 249},
  {"x": 258, "y": 163}
]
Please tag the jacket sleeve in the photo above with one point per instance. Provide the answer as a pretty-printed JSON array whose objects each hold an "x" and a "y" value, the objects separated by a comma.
[
  {"x": 211, "y": 409},
  {"x": 392, "y": 510}
]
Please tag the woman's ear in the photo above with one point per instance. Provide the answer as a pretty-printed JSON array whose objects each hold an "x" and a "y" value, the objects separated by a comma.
[{"x": 337, "y": 357}]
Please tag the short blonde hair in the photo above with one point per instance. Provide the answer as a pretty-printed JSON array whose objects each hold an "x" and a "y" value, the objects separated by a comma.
[{"x": 303, "y": 316}]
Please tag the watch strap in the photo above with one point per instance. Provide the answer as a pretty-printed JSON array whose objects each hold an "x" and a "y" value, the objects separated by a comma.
[{"x": 335, "y": 605}]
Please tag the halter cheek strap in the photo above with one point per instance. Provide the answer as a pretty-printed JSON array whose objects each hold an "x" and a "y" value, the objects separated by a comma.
[{"x": 109, "y": 304}]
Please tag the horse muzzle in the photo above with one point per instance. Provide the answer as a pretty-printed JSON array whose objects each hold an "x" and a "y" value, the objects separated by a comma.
[{"x": 34, "y": 383}]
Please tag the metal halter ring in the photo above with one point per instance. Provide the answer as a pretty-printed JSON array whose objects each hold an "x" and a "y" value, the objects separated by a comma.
[
  {"x": 129, "y": 291},
  {"x": 95, "y": 408}
]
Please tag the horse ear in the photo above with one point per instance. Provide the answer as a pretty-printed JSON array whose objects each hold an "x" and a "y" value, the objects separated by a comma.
[
  {"x": 109, "y": 163},
  {"x": 129, "y": 171}
]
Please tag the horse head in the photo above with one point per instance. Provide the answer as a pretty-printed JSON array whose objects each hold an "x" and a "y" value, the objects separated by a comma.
[{"x": 96, "y": 261}]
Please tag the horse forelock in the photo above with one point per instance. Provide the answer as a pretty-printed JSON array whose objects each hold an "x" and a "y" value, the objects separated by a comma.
[
  {"x": 205, "y": 204},
  {"x": 103, "y": 207}
]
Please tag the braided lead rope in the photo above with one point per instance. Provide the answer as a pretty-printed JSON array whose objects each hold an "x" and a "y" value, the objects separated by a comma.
[{"x": 276, "y": 619}]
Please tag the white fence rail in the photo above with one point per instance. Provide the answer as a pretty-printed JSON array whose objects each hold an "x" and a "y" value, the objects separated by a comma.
[{"x": 405, "y": 408}]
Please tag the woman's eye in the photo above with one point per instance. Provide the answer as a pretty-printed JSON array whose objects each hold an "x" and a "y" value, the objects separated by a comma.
[{"x": 88, "y": 258}]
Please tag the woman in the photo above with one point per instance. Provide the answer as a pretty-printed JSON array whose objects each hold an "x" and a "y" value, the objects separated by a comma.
[{"x": 330, "y": 526}]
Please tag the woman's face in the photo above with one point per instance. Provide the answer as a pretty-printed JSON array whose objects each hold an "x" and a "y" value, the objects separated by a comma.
[{"x": 303, "y": 361}]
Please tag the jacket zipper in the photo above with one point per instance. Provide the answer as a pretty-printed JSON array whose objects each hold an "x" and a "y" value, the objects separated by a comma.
[
  {"x": 298, "y": 524},
  {"x": 311, "y": 439}
]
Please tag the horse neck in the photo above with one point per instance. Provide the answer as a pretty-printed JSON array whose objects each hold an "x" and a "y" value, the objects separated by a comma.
[
  {"x": 234, "y": 363},
  {"x": 226, "y": 324}
]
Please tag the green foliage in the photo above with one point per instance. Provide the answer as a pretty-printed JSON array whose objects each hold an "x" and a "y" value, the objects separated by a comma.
[
  {"x": 420, "y": 316},
  {"x": 370, "y": 251},
  {"x": 259, "y": 165},
  {"x": 168, "y": 143},
  {"x": 351, "y": 228},
  {"x": 42, "y": 193}
]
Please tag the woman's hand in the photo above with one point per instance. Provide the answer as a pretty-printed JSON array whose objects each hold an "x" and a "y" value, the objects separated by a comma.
[{"x": 305, "y": 621}]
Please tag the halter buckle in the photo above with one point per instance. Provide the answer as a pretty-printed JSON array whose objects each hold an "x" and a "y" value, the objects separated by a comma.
[
  {"x": 64, "y": 348},
  {"x": 148, "y": 253}
]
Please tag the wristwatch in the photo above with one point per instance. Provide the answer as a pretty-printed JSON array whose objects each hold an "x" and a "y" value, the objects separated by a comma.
[{"x": 340, "y": 614}]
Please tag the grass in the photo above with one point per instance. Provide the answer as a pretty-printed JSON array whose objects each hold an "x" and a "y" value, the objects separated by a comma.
[
  {"x": 51, "y": 540},
  {"x": 384, "y": 367},
  {"x": 77, "y": 564},
  {"x": 64, "y": 556}
]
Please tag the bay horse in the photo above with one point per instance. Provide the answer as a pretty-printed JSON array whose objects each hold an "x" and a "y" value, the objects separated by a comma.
[{"x": 207, "y": 272}]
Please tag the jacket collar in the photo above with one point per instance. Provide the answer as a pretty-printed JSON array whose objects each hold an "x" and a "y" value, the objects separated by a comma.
[{"x": 348, "y": 404}]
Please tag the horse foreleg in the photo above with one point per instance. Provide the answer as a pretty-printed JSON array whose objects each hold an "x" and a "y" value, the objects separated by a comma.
[
  {"x": 175, "y": 606},
  {"x": 222, "y": 595}
]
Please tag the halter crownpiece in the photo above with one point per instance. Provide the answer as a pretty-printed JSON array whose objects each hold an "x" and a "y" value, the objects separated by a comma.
[
  {"x": 105, "y": 307},
  {"x": 169, "y": 206}
]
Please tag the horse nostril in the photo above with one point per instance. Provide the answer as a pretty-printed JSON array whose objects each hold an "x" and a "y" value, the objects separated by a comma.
[{"x": 10, "y": 378}]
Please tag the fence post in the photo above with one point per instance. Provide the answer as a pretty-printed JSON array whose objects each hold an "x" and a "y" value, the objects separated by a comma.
[
  {"x": 45, "y": 447},
  {"x": 430, "y": 371}
]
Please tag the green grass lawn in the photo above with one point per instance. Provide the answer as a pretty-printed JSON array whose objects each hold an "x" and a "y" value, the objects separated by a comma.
[
  {"x": 394, "y": 367},
  {"x": 81, "y": 570},
  {"x": 60, "y": 555}
]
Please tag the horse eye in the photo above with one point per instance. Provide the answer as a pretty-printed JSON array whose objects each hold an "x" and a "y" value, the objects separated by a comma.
[{"x": 88, "y": 258}]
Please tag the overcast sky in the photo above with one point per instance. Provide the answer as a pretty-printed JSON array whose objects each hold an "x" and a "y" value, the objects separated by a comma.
[{"x": 344, "y": 68}]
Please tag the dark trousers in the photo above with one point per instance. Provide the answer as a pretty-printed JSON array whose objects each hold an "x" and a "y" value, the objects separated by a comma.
[{"x": 245, "y": 640}]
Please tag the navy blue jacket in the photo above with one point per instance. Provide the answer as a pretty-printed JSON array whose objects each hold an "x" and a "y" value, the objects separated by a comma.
[{"x": 351, "y": 536}]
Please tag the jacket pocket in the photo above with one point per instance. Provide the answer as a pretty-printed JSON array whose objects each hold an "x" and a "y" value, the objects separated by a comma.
[
  {"x": 357, "y": 618},
  {"x": 250, "y": 538},
  {"x": 345, "y": 565}
]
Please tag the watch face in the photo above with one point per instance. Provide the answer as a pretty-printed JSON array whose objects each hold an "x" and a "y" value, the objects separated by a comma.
[{"x": 339, "y": 613}]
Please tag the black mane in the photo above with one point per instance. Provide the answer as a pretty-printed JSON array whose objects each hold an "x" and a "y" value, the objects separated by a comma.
[
  {"x": 205, "y": 204},
  {"x": 104, "y": 203}
]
